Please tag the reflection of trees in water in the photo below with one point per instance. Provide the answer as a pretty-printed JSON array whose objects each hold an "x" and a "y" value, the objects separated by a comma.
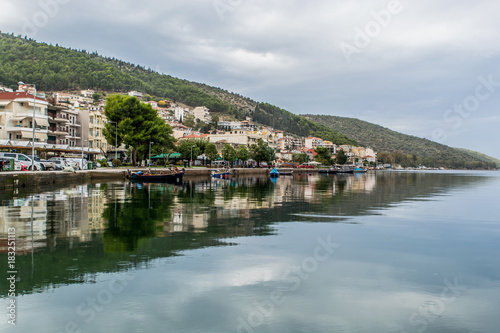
[{"x": 140, "y": 216}]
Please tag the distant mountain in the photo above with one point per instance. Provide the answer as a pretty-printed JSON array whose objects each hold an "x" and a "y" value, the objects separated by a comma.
[
  {"x": 407, "y": 148},
  {"x": 54, "y": 68}
]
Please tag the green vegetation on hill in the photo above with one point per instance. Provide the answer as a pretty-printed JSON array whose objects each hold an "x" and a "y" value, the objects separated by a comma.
[
  {"x": 54, "y": 68},
  {"x": 404, "y": 149}
]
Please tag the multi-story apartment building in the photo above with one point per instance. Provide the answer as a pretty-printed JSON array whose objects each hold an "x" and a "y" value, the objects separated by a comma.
[
  {"x": 97, "y": 121},
  {"x": 58, "y": 125},
  {"x": 313, "y": 142},
  {"x": 202, "y": 113},
  {"x": 16, "y": 117}
]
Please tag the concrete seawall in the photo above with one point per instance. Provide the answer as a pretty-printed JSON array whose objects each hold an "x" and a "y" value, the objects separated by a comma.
[{"x": 18, "y": 179}]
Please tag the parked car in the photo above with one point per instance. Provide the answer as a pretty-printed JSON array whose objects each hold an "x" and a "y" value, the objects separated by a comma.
[
  {"x": 46, "y": 165},
  {"x": 24, "y": 159},
  {"x": 59, "y": 164},
  {"x": 77, "y": 163}
]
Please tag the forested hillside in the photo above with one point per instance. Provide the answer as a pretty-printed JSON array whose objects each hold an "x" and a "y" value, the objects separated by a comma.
[
  {"x": 55, "y": 68},
  {"x": 405, "y": 149}
]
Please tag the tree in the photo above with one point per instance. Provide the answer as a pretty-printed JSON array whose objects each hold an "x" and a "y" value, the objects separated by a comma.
[
  {"x": 189, "y": 121},
  {"x": 138, "y": 125},
  {"x": 341, "y": 157},
  {"x": 97, "y": 96},
  {"x": 211, "y": 152},
  {"x": 300, "y": 158},
  {"x": 323, "y": 156},
  {"x": 242, "y": 153},
  {"x": 261, "y": 152},
  {"x": 229, "y": 154},
  {"x": 189, "y": 150}
]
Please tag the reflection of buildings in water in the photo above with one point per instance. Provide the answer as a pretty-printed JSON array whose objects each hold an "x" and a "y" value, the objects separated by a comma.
[
  {"x": 186, "y": 223},
  {"x": 97, "y": 201},
  {"x": 357, "y": 183},
  {"x": 30, "y": 232}
]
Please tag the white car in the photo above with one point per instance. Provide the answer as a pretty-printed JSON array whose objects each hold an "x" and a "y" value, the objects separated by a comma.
[{"x": 24, "y": 159}]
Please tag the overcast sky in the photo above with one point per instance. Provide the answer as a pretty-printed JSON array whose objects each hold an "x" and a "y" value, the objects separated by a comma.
[{"x": 425, "y": 68}]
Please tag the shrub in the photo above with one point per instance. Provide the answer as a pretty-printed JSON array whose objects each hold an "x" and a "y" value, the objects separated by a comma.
[
  {"x": 117, "y": 163},
  {"x": 103, "y": 162}
]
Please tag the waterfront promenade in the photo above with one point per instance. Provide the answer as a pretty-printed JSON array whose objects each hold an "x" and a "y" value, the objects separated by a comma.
[{"x": 22, "y": 179}]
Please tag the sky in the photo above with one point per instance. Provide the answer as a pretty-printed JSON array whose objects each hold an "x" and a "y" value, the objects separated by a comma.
[{"x": 424, "y": 68}]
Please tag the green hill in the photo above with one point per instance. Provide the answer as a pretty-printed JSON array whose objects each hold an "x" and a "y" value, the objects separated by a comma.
[
  {"x": 55, "y": 68},
  {"x": 405, "y": 149}
]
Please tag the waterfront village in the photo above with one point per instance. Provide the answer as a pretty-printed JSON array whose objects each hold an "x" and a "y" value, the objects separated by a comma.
[{"x": 72, "y": 123}]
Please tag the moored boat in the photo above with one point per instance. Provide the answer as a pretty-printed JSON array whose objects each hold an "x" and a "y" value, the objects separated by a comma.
[
  {"x": 222, "y": 174},
  {"x": 345, "y": 168},
  {"x": 171, "y": 178},
  {"x": 274, "y": 173},
  {"x": 360, "y": 170}
]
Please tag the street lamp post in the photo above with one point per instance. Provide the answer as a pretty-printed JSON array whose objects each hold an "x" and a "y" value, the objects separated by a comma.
[
  {"x": 116, "y": 138},
  {"x": 192, "y": 155},
  {"x": 150, "y": 142},
  {"x": 82, "y": 151},
  {"x": 33, "y": 125}
]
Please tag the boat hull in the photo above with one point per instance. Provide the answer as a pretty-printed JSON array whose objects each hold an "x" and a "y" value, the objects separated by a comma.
[{"x": 169, "y": 178}]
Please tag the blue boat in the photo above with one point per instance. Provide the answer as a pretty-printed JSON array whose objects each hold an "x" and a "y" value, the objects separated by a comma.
[
  {"x": 359, "y": 170},
  {"x": 221, "y": 174},
  {"x": 274, "y": 173}
]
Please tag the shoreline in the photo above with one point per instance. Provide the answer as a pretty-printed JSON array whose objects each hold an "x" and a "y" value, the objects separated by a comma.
[{"x": 23, "y": 179}]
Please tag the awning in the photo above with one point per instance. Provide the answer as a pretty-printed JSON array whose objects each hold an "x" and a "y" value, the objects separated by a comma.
[
  {"x": 19, "y": 118},
  {"x": 27, "y": 135},
  {"x": 42, "y": 122},
  {"x": 20, "y": 143},
  {"x": 41, "y": 136},
  {"x": 173, "y": 155}
]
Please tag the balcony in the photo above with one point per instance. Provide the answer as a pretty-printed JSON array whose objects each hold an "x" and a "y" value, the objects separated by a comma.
[
  {"x": 59, "y": 119},
  {"x": 57, "y": 131}
]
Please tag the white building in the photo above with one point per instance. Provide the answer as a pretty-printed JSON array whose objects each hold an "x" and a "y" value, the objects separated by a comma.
[
  {"x": 313, "y": 142},
  {"x": 233, "y": 125},
  {"x": 202, "y": 113},
  {"x": 16, "y": 117},
  {"x": 137, "y": 94}
]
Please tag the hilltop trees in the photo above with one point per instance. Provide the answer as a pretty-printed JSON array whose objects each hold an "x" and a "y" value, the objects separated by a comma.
[{"x": 138, "y": 126}]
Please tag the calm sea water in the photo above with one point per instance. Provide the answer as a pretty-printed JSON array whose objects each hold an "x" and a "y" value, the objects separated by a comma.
[{"x": 379, "y": 252}]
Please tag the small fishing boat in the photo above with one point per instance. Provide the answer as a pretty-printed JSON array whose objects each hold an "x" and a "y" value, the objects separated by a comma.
[
  {"x": 222, "y": 174},
  {"x": 359, "y": 170},
  {"x": 286, "y": 173},
  {"x": 171, "y": 178},
  {"x": 274, "y": 173},
  {"x": 345, "y": 168}
]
